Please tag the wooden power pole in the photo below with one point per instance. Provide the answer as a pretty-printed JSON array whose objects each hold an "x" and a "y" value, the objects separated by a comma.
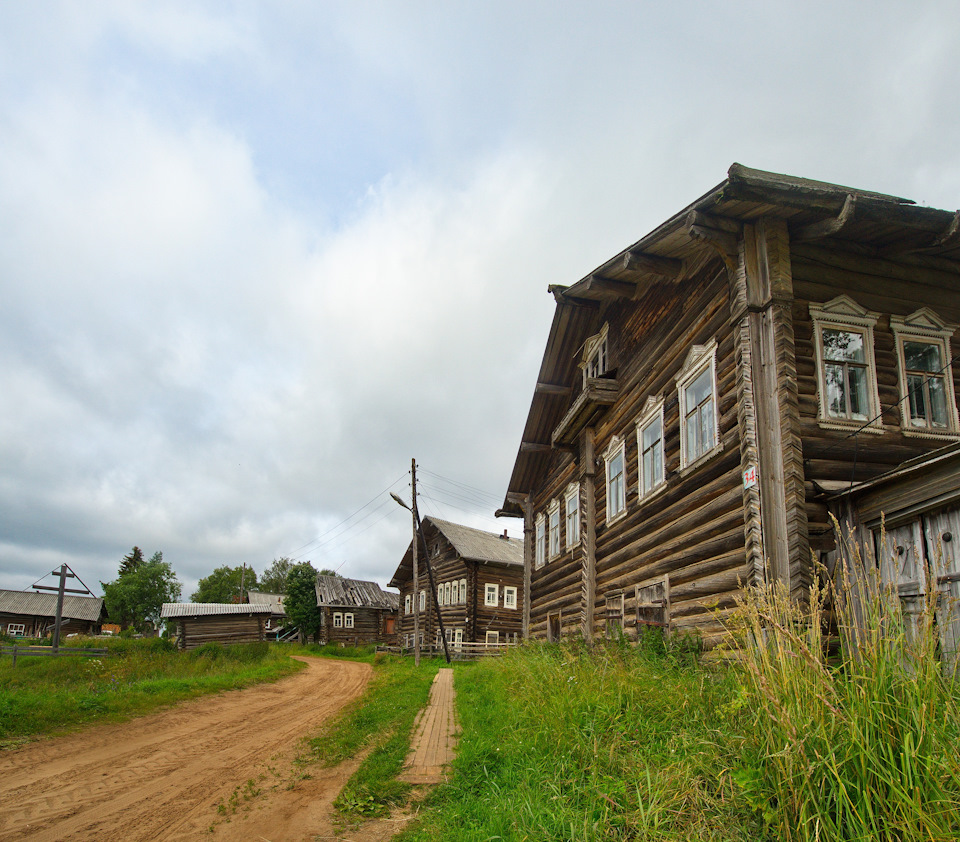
[{"x": 416, "y": 566}]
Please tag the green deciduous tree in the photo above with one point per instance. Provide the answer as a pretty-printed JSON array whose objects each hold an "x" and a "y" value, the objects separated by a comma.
[
  {"x": 223, "y": 585},
  {"x": 301, "y": 599},
  {"x": 136, "y": 596},
  {"x": 274, "y": 578}
]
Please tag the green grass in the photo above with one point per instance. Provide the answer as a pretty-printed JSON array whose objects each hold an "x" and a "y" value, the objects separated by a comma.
[
  {"x": 44, "y": 695},
  {"x": 379, "y": 723},
  {"x": 363, "y": 653}
]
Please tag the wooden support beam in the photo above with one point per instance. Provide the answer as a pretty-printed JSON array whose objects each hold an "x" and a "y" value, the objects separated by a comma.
[
  {"x": 665, "y": 267},
  {"x": 609, "y": 288},
  {"x": 534, "y": 447},
  {"x": 828, "y": 227},
  {"x": 553, "y": 389},
  {"x": 720, "y": 233},
  {"x": 951, "y": 235}
]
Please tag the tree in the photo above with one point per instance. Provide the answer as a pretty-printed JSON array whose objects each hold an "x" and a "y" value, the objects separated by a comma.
[
  {"x": 274, "y": 578},
  {"x": 131, "y": 561},
  {"x": 223, "y": 585},
  {"x": 137, "y": 595},
  {"x": 300, "y": 603}
]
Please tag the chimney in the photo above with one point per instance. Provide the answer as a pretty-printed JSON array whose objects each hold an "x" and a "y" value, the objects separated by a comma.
[{"x": 504, "y": 536}]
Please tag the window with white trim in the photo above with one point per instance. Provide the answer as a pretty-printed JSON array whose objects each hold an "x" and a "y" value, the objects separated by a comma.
[
  {"x": 493, "y": 638},
  {"x": 846, "y": 371},
  {"x": 338, "y": 620},
  {"x": 553, "y": 530},
  {"x": 650, "y": 447},
  {"x": 491, "y": 594},
  {"x": 16, "y": 629},
  {"x": 697, "y": 393},
  {"x": 406, "y": 604},
  {"x": 541, "y": 542},
  {"x": 596, "y": 361},
  {"x": 616, "y": 471},
  {"x": 928, "y": 404},
  {"x": 457, "y": 638},
  {"x": 509, "y": 596},
  {"x": 348, "y": 621},
  {"x": 439, "y": 594},
  {"x": 423, "y": 600},
  {"x": 463, "y": 591},
  {"x": 572, "y": 511},
  {"x": 447, "y": 593}
]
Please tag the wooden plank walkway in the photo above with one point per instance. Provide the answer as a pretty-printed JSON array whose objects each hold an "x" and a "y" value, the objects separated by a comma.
[{"x": 434, "y": 735}]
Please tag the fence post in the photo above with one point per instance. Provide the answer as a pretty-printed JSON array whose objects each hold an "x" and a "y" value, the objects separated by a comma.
[{"x": 14, "y": 654}]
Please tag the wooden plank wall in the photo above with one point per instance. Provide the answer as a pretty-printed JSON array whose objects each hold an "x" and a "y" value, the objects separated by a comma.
[
  {"x": 367, "y": 626},
  {"x": 230, "y": 628},
  {"x": 889, "y": 287}
]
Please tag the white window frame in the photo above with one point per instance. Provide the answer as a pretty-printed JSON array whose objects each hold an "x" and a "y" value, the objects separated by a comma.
[
  {"x": 491, "y": 594},
  {"x": 843, "y": 313},
  {"x": 652, "y": 413},
  {"x": 616, "y": 501},
  {"x": 407, "y": 603},
  {"x": 448, "y": 593},
  {"x": 16, "y": 629},
  {"x": 509, "y": 596},
  {"x": 266, "y": 625},
  {"x": 700, "y": 358},
  {"x": 423, "y": 601},
  {"x": 572, "y": 514},
  {"x": 493, "y": 638},
  {"x": 348, "y": 621},
  {"x": 553, "y": 529},
  {"x": 440, "y": 594},
  {"x": 338, "y": 619},
  {"x": 540, "y": 546},
  {"x": 926, "y": 327},
  {"x": 458, "y": 638},
  {"x": 463, "y": 591},
  {"x": 596, "y": 355}
]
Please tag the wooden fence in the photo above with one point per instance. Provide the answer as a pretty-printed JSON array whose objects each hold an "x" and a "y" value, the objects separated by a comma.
[
  {"x": 458, "y": 651},
  {"x": 27, "y": 651}
]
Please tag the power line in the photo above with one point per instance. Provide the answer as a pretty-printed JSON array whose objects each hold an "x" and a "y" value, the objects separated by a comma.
[{"x": 463, "y": 485}]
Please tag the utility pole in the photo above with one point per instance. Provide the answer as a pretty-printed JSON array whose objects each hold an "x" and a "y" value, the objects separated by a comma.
[
  {"x": 243, "y": 575},
  {"x": 64, "y": 573},
  {"x": 416, "y": 567}
]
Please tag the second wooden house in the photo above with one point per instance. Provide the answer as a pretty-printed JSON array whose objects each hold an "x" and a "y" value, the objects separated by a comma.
[
  {"x": 478, "y": 580},
  {"x": 355, "y": 612}
]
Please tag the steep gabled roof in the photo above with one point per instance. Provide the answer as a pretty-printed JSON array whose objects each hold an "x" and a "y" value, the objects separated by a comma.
[
  {"x": 336, "y": 592},
  {"x": 274, "y": 600},
  {"x": 653, "y": 266},
  {"x": 33, "y": 604},
  {"x": 469, "y": 543}
]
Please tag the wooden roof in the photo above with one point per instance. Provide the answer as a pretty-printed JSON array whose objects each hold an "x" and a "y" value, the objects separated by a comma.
[
  {"x": 469, "y": 543},
  {"x": 171, "y": 610},
  {"x": 31, "y": 604},
  {"x": 868, "y": 223},
  {"x": 337, "y": 592}
]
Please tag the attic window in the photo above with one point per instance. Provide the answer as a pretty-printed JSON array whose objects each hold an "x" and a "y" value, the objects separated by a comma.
[{"x": 596, "y": 358}]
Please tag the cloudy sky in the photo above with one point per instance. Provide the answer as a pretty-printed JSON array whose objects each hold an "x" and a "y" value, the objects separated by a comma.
[{"x": 255, "y": 256}]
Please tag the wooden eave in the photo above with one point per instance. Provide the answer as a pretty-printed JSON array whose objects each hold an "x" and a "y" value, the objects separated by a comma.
[{"x": 597, "y": 395}]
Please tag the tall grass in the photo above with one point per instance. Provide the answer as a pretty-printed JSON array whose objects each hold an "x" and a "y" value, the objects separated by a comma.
[
  {"x": 863, "y": 749},
  {"x": 566, "y": 743},
  {"x": 45, "y": 695}
]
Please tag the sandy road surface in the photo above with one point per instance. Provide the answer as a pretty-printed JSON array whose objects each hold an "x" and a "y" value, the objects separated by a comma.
[{"x": 162, "y": 776}]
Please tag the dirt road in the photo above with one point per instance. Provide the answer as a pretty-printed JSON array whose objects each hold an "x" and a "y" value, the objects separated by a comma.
[{"x": 164, "y": 776}]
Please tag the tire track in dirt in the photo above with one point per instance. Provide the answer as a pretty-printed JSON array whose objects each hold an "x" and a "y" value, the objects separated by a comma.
[{"x": 164, "y": 774}]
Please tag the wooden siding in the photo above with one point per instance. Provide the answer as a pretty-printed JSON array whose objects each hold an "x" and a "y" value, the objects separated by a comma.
[
  {"x": 369, "y": 626},
  {"x": 224, "y": 629}
]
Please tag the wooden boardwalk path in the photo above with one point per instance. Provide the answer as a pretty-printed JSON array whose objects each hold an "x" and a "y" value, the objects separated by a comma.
[{"x": 434, "y": 736}]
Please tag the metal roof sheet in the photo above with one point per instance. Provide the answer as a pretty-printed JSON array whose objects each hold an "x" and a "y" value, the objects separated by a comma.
[
  {"x": 45, "y": 605},
  {"x": 334, "y": 591},
  {"x": 209, "y": 609},
  {"x": 274, "y": 600}
]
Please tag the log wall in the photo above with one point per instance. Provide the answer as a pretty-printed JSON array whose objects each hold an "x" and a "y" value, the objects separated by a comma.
[{"x": 230, "y": 628}]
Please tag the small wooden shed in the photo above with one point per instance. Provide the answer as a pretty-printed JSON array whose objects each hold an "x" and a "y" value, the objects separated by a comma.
[
  {"x": 356, "y": 611},
  {"x": 217, "y": 622}
]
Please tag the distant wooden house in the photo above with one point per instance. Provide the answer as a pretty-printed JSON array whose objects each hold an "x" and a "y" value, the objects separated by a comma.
[
  {"x": 29, "y": 614},
  {"x": 479, "y": 586},
  {"x": 277, "y": 621},
  {"x": 704, "y": 392},
  {"x": 355, "y": 612},
  {"x": 216, "y": 622}
]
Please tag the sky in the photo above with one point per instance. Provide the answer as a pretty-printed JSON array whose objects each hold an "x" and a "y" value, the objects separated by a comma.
[{"x": 257, "y": 256}]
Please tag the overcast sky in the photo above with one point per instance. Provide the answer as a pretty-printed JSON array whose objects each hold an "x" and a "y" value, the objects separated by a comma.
[{"x": 255, "y": 256}]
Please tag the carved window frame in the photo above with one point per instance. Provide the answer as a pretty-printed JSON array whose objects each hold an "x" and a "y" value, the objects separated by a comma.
[
  {"x": 572, "y": 514},
  {"x": 700, "y": 358},
  {"x": 596, "y": 355},
  {"x": 540, "y": 542},
  {"x": 843, "y": 313},
  {"x": 652, "y": 412},
  {"x": 927, "y": 327},
  {"x": 616, "y": 448},
  {"x": 553, "y": 529}
]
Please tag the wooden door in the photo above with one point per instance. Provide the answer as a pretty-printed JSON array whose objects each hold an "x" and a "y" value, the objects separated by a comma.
[
  {"x": 942, "y": 531},
  {"x": 902, "y": 566}
]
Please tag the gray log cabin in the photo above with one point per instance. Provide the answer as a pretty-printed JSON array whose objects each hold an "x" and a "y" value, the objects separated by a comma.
[
  {"x": 355, "y": 612},
  {"x": 706, "y": 391}
]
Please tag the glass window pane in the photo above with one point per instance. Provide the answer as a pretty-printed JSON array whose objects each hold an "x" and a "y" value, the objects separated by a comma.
[
  {"x": 859, "y": 404},
  {"x": 921, "y": 356},
  {"x": 938, "y": 402},
  {"x": 836, "y": 399},
  {"x": 843, "y": 345},
  {"x": 699, "y": 390}
]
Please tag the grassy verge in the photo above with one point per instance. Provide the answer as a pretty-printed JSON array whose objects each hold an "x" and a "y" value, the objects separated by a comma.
[
  {"x": 380, "y": 722},
  {"x": 619, "y": 743},
  {"x": 46, "y": 695}
]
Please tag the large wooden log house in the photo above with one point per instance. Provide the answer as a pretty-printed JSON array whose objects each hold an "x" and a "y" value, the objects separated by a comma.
[
  {"x": 30, "y": 614},
  {"x": 705, "y": 391},
  {"x": 479, "y": 586},
  {"x": 354, "y": 611}
]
